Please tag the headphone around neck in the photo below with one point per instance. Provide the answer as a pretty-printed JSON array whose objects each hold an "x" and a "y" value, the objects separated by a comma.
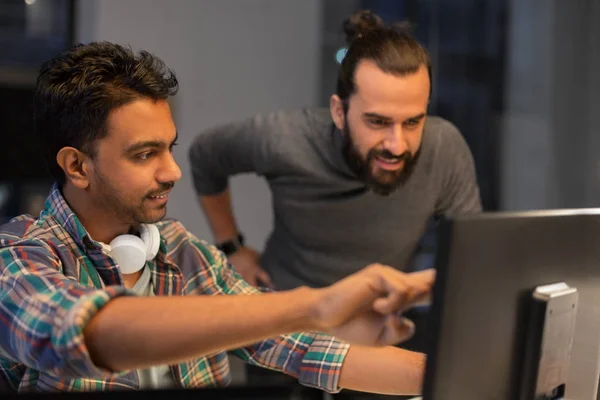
[{"x": 131, "y": 252}]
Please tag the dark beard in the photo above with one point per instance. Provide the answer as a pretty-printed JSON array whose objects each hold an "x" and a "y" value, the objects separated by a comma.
[
  {"x": 386, "y": 182},
  {"x": 121, "y": 206}
]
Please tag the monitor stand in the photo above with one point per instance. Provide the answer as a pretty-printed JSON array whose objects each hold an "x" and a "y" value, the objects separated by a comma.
[{"x": 549, "y": 341}]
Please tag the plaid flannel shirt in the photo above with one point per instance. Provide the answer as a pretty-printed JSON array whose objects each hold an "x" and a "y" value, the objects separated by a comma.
[{"x": 54, "y": 278}]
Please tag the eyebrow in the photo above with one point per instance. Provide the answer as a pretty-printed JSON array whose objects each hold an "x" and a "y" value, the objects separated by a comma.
[
  {"x": 375, "y": 115},
  {"x": 383, "y": 117},
  {"x": 416, "y": 117},
  {"x": 149, "y": 144}
]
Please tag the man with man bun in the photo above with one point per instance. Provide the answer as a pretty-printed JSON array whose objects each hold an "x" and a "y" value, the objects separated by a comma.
[{"x": 351, "y": 184}]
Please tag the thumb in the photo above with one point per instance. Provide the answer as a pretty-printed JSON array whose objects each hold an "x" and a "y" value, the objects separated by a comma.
[
  {"x": 264, "y": 278},
  {"x": 390, "y": 304},
  {"x": 397, "y": 329}
]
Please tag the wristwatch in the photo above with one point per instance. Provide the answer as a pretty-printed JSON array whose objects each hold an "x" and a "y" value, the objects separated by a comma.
[{"x": 232, "y": 245}]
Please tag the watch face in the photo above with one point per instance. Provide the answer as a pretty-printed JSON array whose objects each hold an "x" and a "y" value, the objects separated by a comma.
[{"x": 231, "y": 246}]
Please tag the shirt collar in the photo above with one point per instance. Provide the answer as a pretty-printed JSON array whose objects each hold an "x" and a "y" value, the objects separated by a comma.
[{"x": 57, "y": 206}]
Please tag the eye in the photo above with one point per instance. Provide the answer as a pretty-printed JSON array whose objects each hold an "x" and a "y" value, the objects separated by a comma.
[
  {"x": 145, "y": 156},
  {"x": 378, "y": 122},
  {"x": 173, "y": 145},
  {"x": 411, "y": 123}
]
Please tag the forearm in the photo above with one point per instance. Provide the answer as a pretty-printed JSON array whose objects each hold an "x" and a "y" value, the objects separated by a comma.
[
  {"x": 138, "y": 332},
  {"x": 219, "y": 214},
  {"x": 386, "y": 370}
]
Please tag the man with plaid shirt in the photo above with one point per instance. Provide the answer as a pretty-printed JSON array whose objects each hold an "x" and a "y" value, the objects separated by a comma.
[{"x": 75, "y": 317}]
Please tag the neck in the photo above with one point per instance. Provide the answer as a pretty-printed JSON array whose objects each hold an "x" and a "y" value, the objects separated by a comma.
[{"x": 102, "y": 228}]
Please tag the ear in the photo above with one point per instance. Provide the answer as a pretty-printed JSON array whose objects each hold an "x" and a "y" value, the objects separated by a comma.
[
  {"x": 75, "y": 165},
  {"x": 336, "y": 108}
]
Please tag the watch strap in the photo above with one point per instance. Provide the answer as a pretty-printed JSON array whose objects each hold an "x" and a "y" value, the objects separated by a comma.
[{"x": 232, "y": 245}]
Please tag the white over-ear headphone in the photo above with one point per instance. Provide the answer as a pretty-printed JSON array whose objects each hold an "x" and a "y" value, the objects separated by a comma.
[{"x": 131, "y": 252}]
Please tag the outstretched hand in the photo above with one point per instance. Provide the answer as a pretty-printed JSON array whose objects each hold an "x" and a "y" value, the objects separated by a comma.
[{"x": 366, "y": 307}]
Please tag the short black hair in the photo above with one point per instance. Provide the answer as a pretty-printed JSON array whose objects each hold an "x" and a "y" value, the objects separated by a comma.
[
  {"x": 77, "y": 89},
  {"x": 392, "y": 48}
]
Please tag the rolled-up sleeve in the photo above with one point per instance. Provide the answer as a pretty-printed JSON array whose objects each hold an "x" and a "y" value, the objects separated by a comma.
[
  {"x": 43, "y": 313},
  {"x": 322, "y": 364},
  {"x": 315, "y": 359}
]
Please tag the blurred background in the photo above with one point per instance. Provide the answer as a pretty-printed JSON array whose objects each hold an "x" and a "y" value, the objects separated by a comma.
[{"x": 516, "y": 76}]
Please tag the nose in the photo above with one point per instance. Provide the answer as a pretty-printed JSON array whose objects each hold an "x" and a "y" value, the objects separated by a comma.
[
  {"x": 395, "y": 141},
  {"x": 169, "y": 171}
]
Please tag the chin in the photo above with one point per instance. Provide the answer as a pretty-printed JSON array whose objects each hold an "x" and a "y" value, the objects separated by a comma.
[
  {"x": 152, "y": 218},
  {"x": 384, "y": 186},
  {"x": 386, "y": 177}
]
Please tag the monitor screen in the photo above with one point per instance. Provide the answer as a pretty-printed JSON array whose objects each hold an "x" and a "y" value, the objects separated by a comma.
[{"x": 488, "y": 266}]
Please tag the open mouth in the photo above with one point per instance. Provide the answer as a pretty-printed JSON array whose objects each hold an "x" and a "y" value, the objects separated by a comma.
[
  {"x": 161, "y": 196},
  {"x": 389, "y": 160},
  {"x": 389, "y": 163}
]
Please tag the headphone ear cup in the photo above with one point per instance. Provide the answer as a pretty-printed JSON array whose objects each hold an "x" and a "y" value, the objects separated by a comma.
[
  {"x": 129, "y": 251},
  {"x": 151, "y": 237}
]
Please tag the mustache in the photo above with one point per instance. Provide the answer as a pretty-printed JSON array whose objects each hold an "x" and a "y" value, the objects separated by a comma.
[
  {"x": 406, "y": 156},
  {"x": 164, "y": 187}
]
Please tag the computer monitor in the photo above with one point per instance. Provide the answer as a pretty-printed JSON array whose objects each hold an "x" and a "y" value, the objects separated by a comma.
[{"x": 488, "y": 266}]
